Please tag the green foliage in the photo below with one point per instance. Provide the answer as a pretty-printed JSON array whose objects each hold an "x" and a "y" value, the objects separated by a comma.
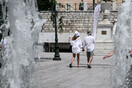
[
  {"x": 61, "y": 5},
  {"x": 107, "y": 0},
  {"x": 46, "y": 4},
  {"x": 50, "y": 5},
  {"x": 61, "y": 24}
]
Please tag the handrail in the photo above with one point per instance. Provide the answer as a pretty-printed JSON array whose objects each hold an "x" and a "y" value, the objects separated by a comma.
[{"x": 75, "y": 7}]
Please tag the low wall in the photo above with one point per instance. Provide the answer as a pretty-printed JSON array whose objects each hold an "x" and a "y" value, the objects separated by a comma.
[{"x": 74, "y": 20}]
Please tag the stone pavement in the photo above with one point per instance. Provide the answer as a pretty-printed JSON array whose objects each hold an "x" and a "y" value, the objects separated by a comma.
[{"x": 57, "y": 74}]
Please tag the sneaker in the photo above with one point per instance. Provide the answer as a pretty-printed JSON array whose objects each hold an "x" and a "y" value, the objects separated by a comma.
[
  {"x": 70, "y": 65},
  {"x": 89, "y": 66}
]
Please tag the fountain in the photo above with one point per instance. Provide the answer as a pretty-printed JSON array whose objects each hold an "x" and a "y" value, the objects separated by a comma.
[
  {"x": 20, "y": 34},
  {"x": 122, "y": 44}
]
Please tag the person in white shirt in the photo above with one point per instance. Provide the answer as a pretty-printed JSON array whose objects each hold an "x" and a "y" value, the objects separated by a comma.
[
  {"x": 89, "y": 43},
  {"x": 76, "y": 47}
]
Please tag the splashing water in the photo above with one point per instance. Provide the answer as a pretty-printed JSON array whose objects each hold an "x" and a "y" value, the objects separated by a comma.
[
  {"x": 122, "y": 45},
  {"x": 18, "y": 49}
]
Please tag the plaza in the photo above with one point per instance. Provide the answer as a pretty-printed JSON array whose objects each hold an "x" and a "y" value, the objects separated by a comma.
[
  {"x": 33, "y": 31},
  {"x": 57, "y": 74}
]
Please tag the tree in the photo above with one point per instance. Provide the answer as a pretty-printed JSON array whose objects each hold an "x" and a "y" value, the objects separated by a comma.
[
  {"x": 107, "y": 0},
  {"x": 46, "y": 4}
]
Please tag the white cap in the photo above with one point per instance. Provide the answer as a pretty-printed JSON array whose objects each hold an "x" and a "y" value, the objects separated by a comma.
[{"x": 76, "y": 33}]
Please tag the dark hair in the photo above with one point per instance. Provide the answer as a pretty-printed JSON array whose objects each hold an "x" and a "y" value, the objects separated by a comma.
[
  {"x": 74, "y": 37},
  {"x": 89, "y": 32}
]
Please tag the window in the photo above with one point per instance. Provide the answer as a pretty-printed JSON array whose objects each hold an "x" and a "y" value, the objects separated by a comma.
[
  {"x": 68, "y": 7},
  {"x": 104, "y": 32}
]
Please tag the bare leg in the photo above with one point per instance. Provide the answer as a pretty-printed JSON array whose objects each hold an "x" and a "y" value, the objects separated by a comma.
[
  {"x": 90, "y": 60},
  {"x": 78, "y": 59},
  {"x": 73, "y": 58}
]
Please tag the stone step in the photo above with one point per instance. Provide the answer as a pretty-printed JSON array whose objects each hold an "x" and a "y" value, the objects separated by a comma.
[
  {"x": 99, "y": 52},
  {"x": 102, "y": 51},
  {"x": 103, "y": 48}
]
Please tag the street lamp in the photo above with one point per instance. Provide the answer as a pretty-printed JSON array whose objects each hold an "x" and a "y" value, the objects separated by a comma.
[{"x": 56, "y": 56}]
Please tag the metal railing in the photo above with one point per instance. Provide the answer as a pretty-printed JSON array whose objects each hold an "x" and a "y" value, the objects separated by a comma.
[
  {"x": 75, "y": 6},
  {"x": 117, "y": 6},
  {"x": 71, "y": 6}
]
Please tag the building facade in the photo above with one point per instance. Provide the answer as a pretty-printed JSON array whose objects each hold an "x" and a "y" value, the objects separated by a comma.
[
  {"x": 71, "y": 5},
  {"x": 88, "y": 1}
]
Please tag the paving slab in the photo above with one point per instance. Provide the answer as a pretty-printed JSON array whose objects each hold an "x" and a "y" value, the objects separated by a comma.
[{"x": 57, "y": 74}]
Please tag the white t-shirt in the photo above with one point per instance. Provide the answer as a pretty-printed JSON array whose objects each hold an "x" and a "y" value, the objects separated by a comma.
[
  {"x": 89, "y": 43},
  {"x": 76, "y": 45}
]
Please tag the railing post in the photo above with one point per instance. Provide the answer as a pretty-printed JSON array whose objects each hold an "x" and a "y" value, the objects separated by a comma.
[
  {"x": 75, "y": 6},
  {"x": 67, "y": 6}
]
